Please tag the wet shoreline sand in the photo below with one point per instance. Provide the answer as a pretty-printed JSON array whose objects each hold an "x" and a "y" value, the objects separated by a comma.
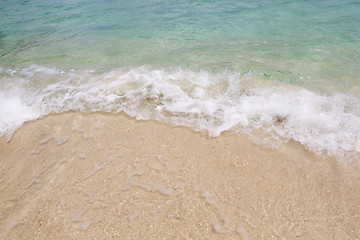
[{"x": 104, "y": 176}]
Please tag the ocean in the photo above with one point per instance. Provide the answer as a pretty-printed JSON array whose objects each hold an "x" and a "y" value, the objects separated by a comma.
[{"x": 276, "y": 71}]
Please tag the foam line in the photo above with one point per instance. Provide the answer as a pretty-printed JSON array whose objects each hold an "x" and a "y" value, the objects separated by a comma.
[{"x": 271, "y": 113}]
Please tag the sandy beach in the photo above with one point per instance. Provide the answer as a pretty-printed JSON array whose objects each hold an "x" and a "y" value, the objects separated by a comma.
[
  {"x": 106, "y": 176},
  {"x": 179, "y": 120}
]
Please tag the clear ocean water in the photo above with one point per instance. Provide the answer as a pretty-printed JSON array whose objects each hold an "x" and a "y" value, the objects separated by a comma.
[{"x": 275, "y": 70}]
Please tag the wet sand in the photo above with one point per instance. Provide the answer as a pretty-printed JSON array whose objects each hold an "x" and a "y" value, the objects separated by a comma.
[{"x": 103, "y": 176}]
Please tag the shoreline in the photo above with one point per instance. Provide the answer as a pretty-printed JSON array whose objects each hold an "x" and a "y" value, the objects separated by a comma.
[{"x": 106, "y": 176}]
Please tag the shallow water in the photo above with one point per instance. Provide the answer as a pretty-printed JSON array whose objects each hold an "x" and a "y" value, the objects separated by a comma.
[{"x": 275, "y": 70}]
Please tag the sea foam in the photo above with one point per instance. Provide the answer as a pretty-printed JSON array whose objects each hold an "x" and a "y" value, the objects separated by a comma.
[{"x": 270, "y": 112}]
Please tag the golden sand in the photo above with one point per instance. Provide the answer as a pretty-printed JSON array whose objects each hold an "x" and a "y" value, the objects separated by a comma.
[{"x": 102, "y": 176}]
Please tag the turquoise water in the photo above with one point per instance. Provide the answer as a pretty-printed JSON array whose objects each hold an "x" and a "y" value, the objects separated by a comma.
[
  {"x": 192, "y": 63},
  {"x": 288, "y": 39}
]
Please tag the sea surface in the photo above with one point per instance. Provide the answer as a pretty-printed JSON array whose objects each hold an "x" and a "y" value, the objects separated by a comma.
[{"x": 276, "y": 71}]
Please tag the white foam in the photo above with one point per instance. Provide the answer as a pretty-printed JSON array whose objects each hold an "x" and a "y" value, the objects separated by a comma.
[
  {"x": 153, "y": 187},
  {"x": 36, "y": 69},
  {"x": 78, "y": 216},
  {"x": 205, "y": 194},
  {"x": 97, "y": 167},
  {"x": 58, "y": 139},
  {"x": 90, "y": 196},
  {"x": 130, "y": 181},
  {"x": 271, "y": 113},
  {"x": 13, "y": 113}
]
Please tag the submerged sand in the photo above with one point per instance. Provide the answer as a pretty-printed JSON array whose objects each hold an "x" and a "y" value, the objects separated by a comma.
[{"x": 103, "y": 176}]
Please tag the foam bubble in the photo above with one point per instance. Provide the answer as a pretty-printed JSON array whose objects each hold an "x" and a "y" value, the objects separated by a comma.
[
  {"x": 270, "y": 112},
  {"x": 36, "y": 69}
]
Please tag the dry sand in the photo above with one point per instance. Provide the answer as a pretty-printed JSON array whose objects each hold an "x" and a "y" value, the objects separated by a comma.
[{"x": 103, "y": 176}]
